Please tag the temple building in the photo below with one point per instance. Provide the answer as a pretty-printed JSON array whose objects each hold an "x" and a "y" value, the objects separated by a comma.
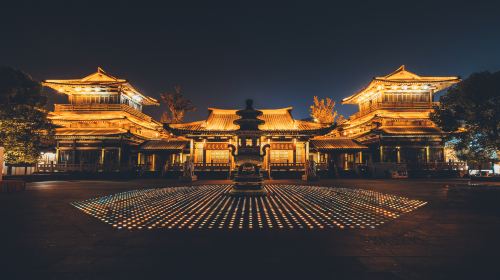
[
  {"x": 393, "y": 119},
  {"x": 102, "y": 126},
  {"x": 289, "y": 139},
  {"x": 102, "y": 129}
]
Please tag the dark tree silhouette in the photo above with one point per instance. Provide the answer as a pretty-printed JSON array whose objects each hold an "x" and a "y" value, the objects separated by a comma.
[
  {"x": 24, "y": 127},
  {"x": 470, "y": 111},
  {"x": 177, "y": 106}
]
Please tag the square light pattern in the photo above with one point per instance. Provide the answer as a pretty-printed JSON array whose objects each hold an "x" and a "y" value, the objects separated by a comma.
[{"x": 211, "y": 207}]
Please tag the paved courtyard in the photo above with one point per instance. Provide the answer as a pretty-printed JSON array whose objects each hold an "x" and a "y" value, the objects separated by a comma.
[{"x": 455, "y": 235}]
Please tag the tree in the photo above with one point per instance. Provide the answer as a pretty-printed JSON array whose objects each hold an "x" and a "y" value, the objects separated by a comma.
[
  {"x": 177, "y": 105},
  {"x": 322, "y": 111},
  {"x": 470, "y": 112},
  {"x": 24, "y": 127}
]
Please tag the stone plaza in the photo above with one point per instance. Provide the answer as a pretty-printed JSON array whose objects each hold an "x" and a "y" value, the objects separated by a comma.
[{"x": 450, "y": 231}]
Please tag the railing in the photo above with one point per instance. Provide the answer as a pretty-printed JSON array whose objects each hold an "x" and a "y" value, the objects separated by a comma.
[
  {"x": 287, "y": 166},
  {"x": 438, "y": 166},
  {"x": 395, "y": 105},
  {"x": 66, "y": 167},
  {"x": 322, "y": 166},
  {"x": 75, "y": 167},
  {"x": 100, "y": 107},
  {"x": 212, "y": 166}
]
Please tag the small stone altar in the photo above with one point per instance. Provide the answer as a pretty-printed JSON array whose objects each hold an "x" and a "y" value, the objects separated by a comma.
[{"x": 249, "y": 153}]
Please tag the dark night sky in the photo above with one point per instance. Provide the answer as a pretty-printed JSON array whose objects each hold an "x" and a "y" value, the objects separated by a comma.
[{"x": 280, "y": 55}]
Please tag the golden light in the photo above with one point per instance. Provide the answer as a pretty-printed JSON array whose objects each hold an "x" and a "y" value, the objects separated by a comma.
[{"x": 209, "y": 207}]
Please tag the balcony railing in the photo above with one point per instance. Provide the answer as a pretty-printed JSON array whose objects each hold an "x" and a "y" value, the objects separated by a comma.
[
  {"x": 100, "y": 108},
  {"x": 395, "y": 105},
  {"x": 287, "y": 166},
  {"x": 212, "y": 166},
  {"x": 438, "y": 166},
  {"x": 75, "y": 167}
]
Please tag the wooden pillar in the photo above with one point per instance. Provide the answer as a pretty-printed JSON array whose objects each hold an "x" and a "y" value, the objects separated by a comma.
[
  {"x": 427, "y": 154},
  {"x": 119, "y": 158},
  {"x": 101, "y": 160},
  {"x": 191, "y": 149},
  {"x": 355, "y": 161},
  {"x": 231, "y": 158},
  {"x": 204, "y": 152},
  {"x": 74, "y": 151},
  {"x": 306, "y": 153},
  {"x": 398, "y": 154},
  {"x": 381, "y": 154}
]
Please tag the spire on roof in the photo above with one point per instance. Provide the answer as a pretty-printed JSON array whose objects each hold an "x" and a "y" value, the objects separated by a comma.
[{"x": 100, "y": 70}]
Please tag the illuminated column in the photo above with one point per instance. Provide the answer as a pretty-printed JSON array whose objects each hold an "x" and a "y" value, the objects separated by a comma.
[
  {"x": 398, "y": 154},
  {"x": 294, "y": 150},
  {"x": 101, "y": 160},
  {"x": 153, "y": 164},
  {"x": 306, "y": 153},
  {"x": 360, "y": 156},
  {"x": 119, "y": 158},
  {"x": 381, "y": 154},
  {"x": 204, "y": 152},
  {"x": 139, "y": 158},
  {"x": 191, "y": 149},
  {"x": 427, "y": 153}
]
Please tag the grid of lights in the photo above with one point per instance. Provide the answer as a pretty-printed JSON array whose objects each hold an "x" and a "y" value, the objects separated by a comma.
[{"x": 210, "y": 207}]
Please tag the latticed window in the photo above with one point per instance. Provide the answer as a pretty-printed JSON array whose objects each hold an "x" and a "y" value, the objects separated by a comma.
[
  {"x": 280, "y": 156},
  {"x": 217, "y": 156}
]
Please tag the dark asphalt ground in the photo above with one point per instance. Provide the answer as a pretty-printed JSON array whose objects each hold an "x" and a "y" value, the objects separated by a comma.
[{"x": 455, "y": 236}]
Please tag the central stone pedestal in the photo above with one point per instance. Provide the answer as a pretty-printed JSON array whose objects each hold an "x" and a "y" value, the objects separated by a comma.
[{"x": 248, "y": 181}]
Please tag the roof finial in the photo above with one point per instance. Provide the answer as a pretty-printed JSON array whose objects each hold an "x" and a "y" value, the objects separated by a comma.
[
  {"x": 402, "y": 67},
  {"x": 99, "y": 70}
]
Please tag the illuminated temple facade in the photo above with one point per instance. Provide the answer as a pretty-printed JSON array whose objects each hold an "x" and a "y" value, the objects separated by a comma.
[
  {"x": 102, "y": 125},
  {"x": 102, "y": 128},
  {"x": 393, "y": 119},
  {"x": 289, "y": 139}
]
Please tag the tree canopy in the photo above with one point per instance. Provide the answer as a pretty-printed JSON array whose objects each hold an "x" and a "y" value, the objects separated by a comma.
[
  {"x": 24, "y": 127},
  {"x": 177, "y": 106},
  {"x": 470, "y": 112},
  {"x": 323, "y": 110}
]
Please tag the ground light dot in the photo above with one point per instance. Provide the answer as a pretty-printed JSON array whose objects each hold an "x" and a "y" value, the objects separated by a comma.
[{"x": 285, "y": 207}]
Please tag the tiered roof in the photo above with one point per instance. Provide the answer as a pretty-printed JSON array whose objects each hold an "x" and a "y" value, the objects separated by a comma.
[
  {"x": 337, "y": 143},
  {"x": 221, "y": 121},
  {"x": 403, "y": 78},
  {"x": 164, "y": 145},
  {"x": 99, "y": 82}
]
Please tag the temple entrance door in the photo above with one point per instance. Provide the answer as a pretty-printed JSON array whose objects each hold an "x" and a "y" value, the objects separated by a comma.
[{"x": 111, "y": 160}]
